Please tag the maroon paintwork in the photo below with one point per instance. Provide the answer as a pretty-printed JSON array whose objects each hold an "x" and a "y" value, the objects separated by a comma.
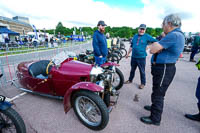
[{"x": 71, "y": 76}]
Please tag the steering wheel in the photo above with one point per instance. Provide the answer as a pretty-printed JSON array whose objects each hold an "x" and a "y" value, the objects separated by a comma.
[{"x": 51, "y": 63}]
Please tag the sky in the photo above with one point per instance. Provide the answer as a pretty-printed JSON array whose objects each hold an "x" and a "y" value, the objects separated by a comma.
[{"x": 116, "y": 13}]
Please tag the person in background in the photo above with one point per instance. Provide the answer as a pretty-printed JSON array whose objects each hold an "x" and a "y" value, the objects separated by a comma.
[
  {"x": 16, "y": 39},
  {"x": 7, "y": 40},
  {"x": 108, "y": 40},
  {"x": 99, "y": 44},
  {"x": 196, "y": 117},
  {"x": 163, "y": 69},
  {"x": 195, "y": 47},
  {"x": 46, "y": 41},
  {"x": 138, "y": 48},
  {"x": 161, "y": 36},
  {"x": 52, "y": 41}
]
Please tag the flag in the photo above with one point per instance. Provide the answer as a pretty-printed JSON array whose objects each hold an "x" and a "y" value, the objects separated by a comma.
[{"x": 34, "y": 29}]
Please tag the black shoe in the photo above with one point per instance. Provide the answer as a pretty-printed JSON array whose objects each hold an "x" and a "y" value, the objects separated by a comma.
[
  {"x": 1, "y": 75},
  {"x": 147, "y": 120},
  {"x": 192, "y": 60},
  {"x": 195, "y": 117},
  {"x": 147, "y": 107}
]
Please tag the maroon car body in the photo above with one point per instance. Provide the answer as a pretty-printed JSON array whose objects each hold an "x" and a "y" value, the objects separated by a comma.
[
  {"x": 72, "y": 75},
  {"x": 85, "y": 87}
]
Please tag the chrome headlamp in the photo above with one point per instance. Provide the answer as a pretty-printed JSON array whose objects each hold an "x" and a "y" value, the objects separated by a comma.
[{"x": 95, "y": 72}]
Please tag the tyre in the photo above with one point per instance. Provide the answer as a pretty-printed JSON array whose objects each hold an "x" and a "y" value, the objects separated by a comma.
[
  {"x": 90, "y": 109},
  {"x": 114, "y": 58},
  {"x": 118, "y": 53},
  {"x": 11, "y": 121},
  {"x": 123, "y": 52},
  {"x": 118, "y": 79},
  {"x": 107, "y": 99}
]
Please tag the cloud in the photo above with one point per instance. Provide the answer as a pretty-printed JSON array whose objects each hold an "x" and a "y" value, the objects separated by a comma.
[{"x": 47, "y": 14}]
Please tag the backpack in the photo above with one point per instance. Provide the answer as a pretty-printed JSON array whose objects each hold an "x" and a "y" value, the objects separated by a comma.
[
  {"x": 198, "y": 65},
  {"x": 197, "y": 40}
]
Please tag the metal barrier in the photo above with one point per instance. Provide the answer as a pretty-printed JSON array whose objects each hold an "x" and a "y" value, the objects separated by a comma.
[{"x": 8, "y": 63}]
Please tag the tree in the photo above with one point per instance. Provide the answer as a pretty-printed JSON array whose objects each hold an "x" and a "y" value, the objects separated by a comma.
[
  {"x": 158, "y": 31},
  {"x": 123, "y": 32},
  {"x": 51, "y": 31},
  {"x": 60, "y": 28}
]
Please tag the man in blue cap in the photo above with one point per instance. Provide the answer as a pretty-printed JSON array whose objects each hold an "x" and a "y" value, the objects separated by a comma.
[
  {"x": 138, "y": 49},
  {"x": 99, "y": 44}
]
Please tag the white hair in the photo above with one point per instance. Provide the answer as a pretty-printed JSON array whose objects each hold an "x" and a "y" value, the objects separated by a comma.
[{"x": 174, "y": 19}]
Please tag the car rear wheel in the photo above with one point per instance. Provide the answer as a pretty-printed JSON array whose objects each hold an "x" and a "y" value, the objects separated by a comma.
[{"x": 90, "y": 109}]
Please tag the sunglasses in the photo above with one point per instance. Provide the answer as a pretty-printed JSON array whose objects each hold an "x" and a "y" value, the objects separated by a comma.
[{"x": 142, "y": 29}]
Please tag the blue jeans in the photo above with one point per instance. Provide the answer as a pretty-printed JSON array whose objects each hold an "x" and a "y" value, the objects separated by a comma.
[
  {"x": 140, "y": 63},
  {"x": 99, "y": 61},
  {"x": 198, "y": 93},
  {"x": 194, "y": 51}
]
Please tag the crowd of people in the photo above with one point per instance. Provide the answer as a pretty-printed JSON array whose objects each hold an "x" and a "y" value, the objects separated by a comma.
[{"x": 165, "y": 51}]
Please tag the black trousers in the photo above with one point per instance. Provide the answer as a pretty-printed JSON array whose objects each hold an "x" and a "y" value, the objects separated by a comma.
[{"x": 163, "y": 75}]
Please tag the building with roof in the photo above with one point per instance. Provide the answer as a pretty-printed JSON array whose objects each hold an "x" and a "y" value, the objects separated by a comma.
[{"x": 17, "y": 24}]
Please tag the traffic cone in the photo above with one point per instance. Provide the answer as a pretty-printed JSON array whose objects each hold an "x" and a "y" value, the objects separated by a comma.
[{"x": 181, "y": 55}]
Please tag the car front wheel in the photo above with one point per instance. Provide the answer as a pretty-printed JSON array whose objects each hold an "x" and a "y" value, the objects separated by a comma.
[{"x": 90, "y": 109}]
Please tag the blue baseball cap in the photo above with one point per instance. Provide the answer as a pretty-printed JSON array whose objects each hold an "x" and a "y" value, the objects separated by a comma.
[
  {"x": 142, "y": 26},
  {"x": 101, "y": 23}
]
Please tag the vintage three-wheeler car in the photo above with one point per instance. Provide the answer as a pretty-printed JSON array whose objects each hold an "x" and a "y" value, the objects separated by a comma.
[{"x": 91, "y": 90}]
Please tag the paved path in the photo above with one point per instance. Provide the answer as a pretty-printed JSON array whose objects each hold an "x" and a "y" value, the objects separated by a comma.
[{"x": 45, "y": 115}]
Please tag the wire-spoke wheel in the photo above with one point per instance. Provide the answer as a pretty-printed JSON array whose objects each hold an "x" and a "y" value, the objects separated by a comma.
[
  {"x": 11, "y": 122},
  {"x": 90, "y": 109}
]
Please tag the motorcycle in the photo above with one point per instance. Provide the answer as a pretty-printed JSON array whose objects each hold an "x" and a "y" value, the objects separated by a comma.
[
  {"x": 10, "y": 120},
  {"x": 88, "y": 57}
]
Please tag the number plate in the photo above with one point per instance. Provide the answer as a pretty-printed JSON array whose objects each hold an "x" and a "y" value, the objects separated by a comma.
[{"x": 2, "y": 98}]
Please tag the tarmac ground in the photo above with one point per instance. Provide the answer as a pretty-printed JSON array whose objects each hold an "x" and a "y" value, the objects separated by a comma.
[{"x": 45, "y": 115}]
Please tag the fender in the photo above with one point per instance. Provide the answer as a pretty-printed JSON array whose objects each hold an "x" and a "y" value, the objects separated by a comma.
[
  {"x": 109, "y": 64},
  {"x": 79, "y": 86},
  {"x": 4, "y": 105}
]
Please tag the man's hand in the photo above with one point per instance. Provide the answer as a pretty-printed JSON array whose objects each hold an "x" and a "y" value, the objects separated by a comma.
[
  {"x": 155, "y": 48},
  {"x": 129, "y": 51}
]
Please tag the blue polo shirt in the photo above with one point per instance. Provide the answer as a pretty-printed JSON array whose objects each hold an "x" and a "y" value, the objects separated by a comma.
[
  {"x": 173, "y": 44},
  {"x": 139, "y": 44},
  {"x": 99, "y": 44}
]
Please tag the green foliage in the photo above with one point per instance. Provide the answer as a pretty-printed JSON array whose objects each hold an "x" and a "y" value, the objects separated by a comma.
[
  {"x": 87, "y": 30},
  {"x": 123, "y": 32},
  {"x": 60, "y": 28},
  {"x": 51, "y": 31}
]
